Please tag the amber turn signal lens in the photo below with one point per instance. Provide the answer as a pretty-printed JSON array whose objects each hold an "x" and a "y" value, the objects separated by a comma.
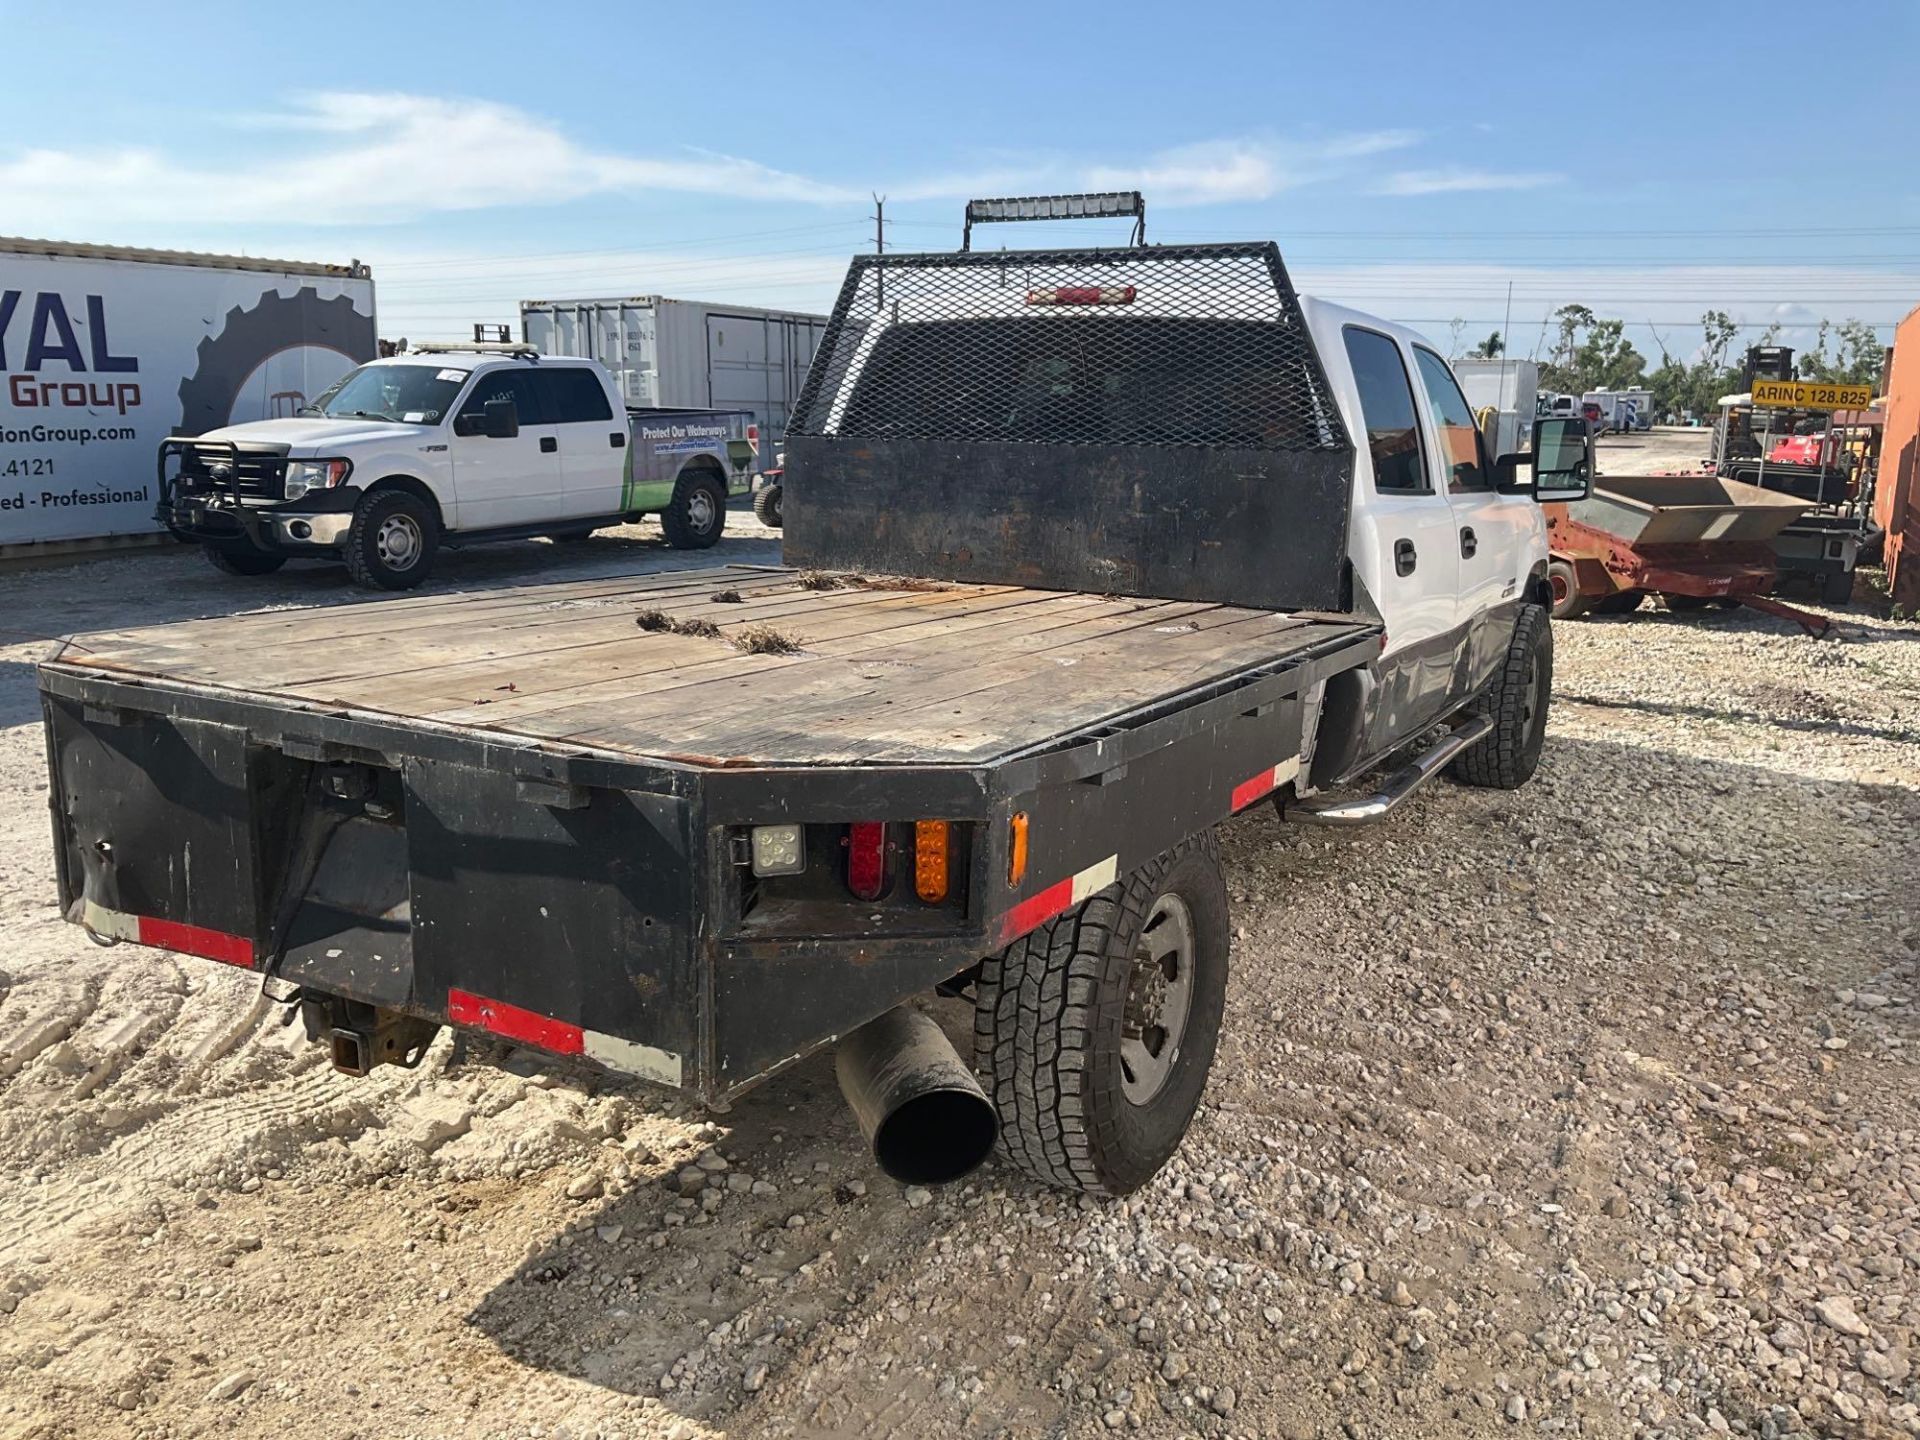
[
  {"x": 930, "y": 860},
  {"x": 1017, "y": 850}
]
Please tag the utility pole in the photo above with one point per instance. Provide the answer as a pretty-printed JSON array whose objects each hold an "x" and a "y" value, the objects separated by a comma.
[{"x": 879, "y": 248}]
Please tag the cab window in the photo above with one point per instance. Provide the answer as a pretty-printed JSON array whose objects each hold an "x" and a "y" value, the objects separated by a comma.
[
  {"x": 514, "y": 385},
  {"x": 574, "y": 395},
  {"x": 1460, "y": 445},
  {"x": 1386, "y": 407}
]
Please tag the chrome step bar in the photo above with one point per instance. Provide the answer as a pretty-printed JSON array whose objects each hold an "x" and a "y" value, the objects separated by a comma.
[{"x": 1366, "y": 809}]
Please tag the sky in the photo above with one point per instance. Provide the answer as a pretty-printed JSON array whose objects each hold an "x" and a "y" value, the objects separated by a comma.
[{"x": 1415, "y": 160}]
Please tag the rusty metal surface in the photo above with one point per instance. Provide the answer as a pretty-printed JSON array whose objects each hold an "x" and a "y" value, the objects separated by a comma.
[{"x": 1682, "y": 509}]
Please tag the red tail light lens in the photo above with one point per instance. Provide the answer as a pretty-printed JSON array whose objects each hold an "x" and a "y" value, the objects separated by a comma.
[
  {"x": 753, "y": 438},
  {"x": 867, "y": 859},
  {"x": 1083, "y": 295}
]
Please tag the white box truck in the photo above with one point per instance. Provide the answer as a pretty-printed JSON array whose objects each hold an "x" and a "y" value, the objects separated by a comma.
[
  {"x": 1510, "y": 388},
  {"x": 1622, "y": 410},
  {"x": 686, "y": 353},
  {"x": 107, "y": 350}
]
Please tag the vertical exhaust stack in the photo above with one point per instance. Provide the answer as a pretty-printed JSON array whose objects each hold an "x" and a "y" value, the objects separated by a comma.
[{"x": 918, "y": 1104}]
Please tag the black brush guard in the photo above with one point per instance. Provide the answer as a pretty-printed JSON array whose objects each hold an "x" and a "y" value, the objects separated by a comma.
[{"x": 198, "y": 503}]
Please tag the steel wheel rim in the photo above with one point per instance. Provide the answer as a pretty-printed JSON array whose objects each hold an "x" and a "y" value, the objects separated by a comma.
[
  {"x": 1159, "y": 999},
  {"x": 1561, "y": 589},
  {"x": 700, "y": 510},
  {"x": 398, "y": 542}
]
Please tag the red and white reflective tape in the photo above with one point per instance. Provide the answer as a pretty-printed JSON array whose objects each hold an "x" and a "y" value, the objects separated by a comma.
[
  {"x": 1265, "y": 783},
  {"x": 562, "y": 1037},
  {"x": 1058, "y": 898},
  {"x": 174, "y": 935}
]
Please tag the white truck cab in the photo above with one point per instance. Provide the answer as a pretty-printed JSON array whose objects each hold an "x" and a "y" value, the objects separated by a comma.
[
  {"x": 1446, "y": 545},
  {"x": 450, "y": 446}
]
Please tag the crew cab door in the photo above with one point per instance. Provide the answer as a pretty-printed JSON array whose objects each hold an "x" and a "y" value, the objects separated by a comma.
[
  {"x": 505, "y": 481},
  {"x": 1493, "y": 531},
  {"x": 593, "y": 443},
  {"x": 1403, "y": 544}
]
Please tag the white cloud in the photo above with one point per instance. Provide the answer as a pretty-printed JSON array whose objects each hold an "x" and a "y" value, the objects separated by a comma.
[
  {"x": 1453, "y": 179},
  {"x": 374, "y": 158},
  {"x": 1220, "y": 171},
  {"x": 351, "y": 158}
]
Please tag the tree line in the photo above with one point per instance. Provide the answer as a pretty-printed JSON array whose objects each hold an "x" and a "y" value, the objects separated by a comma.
[{"x": 1587, "y": 352}]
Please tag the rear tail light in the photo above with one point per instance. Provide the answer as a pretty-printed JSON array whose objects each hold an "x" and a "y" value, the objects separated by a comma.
[
  {"x": 753, "y": 438},
  {"x": 867, "y": 859},
  {"x": 1083, "y": 295},
  {"x": 930, "y": 860}
]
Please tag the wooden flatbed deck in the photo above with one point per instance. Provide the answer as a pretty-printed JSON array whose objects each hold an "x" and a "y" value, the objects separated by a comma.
[{"x": 886, "y": 671}]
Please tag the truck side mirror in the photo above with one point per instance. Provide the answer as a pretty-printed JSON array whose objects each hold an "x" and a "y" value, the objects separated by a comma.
[
  {"x": 1562, "y": 462},
  {"x": 503, "y": 419}
]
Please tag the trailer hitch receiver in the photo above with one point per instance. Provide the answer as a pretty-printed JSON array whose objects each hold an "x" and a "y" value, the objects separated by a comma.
[{"x": 360, "y": 1036}]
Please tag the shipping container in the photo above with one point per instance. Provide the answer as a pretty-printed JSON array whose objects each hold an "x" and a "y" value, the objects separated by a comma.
[
  {"x": 686, "y": 354},
  {"x": 107, "y": 350}
]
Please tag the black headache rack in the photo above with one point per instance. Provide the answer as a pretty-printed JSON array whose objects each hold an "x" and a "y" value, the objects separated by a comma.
[
  {"x": 404, "y": 874},
  {"x": 1148, "y": 421}
]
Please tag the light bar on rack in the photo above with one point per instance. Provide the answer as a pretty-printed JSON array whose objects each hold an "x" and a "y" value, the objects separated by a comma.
[{"x": 1103, "y": 205}]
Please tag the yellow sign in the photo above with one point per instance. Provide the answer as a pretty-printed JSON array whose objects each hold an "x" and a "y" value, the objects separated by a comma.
[{"x": 1805, "y": 395}]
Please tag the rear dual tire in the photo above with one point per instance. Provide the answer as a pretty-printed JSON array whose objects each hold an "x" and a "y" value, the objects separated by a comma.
[{"x": 1095, "y": 1033}]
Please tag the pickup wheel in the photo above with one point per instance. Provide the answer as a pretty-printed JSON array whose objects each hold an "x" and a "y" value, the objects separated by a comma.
[
  {"x": 242, "y": 559},
  {"x": 697, "y": 513},
  {"x": 766, "y": 505},
  {"x": 392, "y": 540},
  {"x": 1517, "y": 700},
  {"x": 1095, "y": 1032},
  {"x": 1568, "y": 602}
]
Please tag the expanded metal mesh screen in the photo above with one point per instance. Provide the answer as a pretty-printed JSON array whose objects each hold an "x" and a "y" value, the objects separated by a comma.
[{"x": 1198, "y": 345}]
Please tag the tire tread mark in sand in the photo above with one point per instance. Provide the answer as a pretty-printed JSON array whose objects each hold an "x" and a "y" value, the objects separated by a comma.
[{"x": 312, "y": 1106}]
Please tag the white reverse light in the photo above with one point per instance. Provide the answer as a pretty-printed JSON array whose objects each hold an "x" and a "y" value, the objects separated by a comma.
[{"x": 778, "y": 850}]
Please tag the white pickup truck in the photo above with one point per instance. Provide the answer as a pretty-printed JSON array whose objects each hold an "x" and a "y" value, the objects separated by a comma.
[
  {"x": 1106, "y": 546},
  {"x": 451, "y": 446}
]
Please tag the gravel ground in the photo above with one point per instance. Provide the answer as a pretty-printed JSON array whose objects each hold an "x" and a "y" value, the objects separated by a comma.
[{"x": 1589, "y": 1108}]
